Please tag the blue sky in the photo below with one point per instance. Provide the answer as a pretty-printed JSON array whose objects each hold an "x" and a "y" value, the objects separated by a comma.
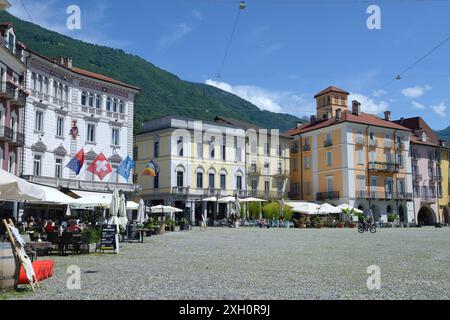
[{"x": 284, "y": 51}]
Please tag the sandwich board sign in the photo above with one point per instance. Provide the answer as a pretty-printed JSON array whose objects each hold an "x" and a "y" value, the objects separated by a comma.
[{"x": 110, "y": 238}]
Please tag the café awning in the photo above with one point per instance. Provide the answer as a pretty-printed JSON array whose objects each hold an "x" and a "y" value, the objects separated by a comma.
[{"x": 13, "y": 188}]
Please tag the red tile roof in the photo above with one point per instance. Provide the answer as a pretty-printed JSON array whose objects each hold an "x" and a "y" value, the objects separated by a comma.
[
  {"x": 102, "y": 77},
  {"x": 347, "y": 116},
  {"x": 418, "y": 124},
  {"x": 87, "y": 73},
  {"x": 331, "y": 89}
]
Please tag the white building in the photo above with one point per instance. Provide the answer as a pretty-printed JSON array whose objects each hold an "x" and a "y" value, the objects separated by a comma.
[{"x": 70, "y": 109}]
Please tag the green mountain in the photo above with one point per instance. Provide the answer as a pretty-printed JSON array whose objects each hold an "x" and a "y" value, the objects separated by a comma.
[
  {"x": 444, "y": 134},
  {"x": 162, "y": 92}
]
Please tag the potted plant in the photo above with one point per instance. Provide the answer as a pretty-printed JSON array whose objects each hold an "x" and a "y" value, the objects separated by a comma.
[
  {"x": 341, "y": 224},
  {"x": 302, "y": 223},
  {"x": 317, "y": 222},
  {"x": 90, "y": 239},
  {"x": 184, "y": 225}
]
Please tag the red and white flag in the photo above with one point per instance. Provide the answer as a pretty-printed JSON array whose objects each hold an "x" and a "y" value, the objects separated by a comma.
[{"x": 101, "y": 167}]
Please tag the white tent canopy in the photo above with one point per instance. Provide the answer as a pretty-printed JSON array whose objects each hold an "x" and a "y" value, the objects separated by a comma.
[
  {"x": 164, "y": 209},
  {"x": 303, "y": 207},
  {"x": 52, "y": 195},
  {"x": 227, "y": 200},
  {"x": 327, "y": 208},
  {"x": 210, "y": 199},
  {"x": 91, "y": 202},
  {"x": 347, "y": 207},
  {"x": 13, "y": 188},
  {"x": 252, "y": 200},
  {"x": 131, "y": 205}
]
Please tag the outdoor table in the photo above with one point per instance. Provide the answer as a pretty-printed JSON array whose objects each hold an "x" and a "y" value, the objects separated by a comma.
[
  {"x": 141, "y": 233},
  {"x": 39, "y": 245}
]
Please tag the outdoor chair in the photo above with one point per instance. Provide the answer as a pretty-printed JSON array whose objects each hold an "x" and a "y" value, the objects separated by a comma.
[
  {"x": 53, "y": 238},
  {"x": 66, "y": 243}
]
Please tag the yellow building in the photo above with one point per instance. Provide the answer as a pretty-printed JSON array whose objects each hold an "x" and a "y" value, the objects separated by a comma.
[
  {"x": 444, "y": 201},
  {"x": 199, "y": 162},
  {"x": 348, "y": 156}
]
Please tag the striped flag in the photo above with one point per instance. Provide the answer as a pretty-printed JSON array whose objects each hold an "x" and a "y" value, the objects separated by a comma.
[{"x": 151, "y": 169}]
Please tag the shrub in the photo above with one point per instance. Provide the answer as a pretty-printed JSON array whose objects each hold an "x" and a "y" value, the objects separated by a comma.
[
  {"x": 91, "y": 235},
  {"x": 272, "y": 211}
]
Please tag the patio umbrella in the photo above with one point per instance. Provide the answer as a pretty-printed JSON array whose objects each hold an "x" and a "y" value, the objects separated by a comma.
[
  {"x": 91, "y": 202},
  {"x": 123, "y": 221},
  {"x": 131, "y": 205},
  {"x": 303, "y": 207},
  {"x": 13, "y": 188},
  {"x": 347, "y": 207},
  {"x": 227, "y": 200},
  {"x": 141, "y": 212},
  {"x": 327, "y": 208},
  {"x": 238, "y": 206},
  {"x": 114, "y": 210}
]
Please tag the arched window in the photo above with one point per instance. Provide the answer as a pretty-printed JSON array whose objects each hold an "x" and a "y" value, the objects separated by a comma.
[
  {"x": 33, "y": 81},
  {"x": 66, "y": 93},
  {"x": 40, "y": 86},
  {"x": 91, "y": 100},
  {"x": 108, "y": 104},
  {"x": 98, "y": 102},
  {"x": 180, "y": 176},
  {"x": 12, "y": 163},
  {"x": 115, "y": 105},
  {"x": 55, "y": 89},
  {"x": 46, "y": 85},
  {"x": 84, "y": 98},
  {"x": 60, "y": 91}
]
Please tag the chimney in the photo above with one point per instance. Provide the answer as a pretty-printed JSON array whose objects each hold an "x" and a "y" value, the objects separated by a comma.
[
  {"x": 356, "y": 108},
  {"x": 442, "y": 143},
  {"x": 64, "y": 61},
  {"x": 338, "y": 114},
  {"x": 402, "y": 121},
  {"x": 299, "y": 124},
  {"x": 387, "y": 115},
  {"x": 313, "y": 119}
]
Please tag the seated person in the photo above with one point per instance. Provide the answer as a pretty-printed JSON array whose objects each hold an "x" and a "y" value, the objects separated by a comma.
[
  {"x": 49, "y": 226},
  {"x": 73, "y": 228}
]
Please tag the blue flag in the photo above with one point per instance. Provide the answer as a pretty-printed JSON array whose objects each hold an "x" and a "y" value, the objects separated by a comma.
[
  {"x": 125, "y": 167},
  {"x": 77, "y": 162}
]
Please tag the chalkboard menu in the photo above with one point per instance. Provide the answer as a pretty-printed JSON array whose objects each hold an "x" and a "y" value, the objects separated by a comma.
[
  {"x": 132, "y": 232},
  {"x": 109, "y": 238}
]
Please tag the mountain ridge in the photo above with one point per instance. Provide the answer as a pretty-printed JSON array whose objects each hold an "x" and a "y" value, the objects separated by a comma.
[{"x": 162, "y": 92}]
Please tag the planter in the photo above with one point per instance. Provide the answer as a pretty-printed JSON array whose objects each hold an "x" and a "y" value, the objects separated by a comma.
[
  {"x": 319, "y": 226},
  {"x": 352, "y": 226},
  {"x": 341, "y": 225},
  {"x": 185, "y": 227},
  {"x": 302, "y": 225},
  {"x": 172, "y": 228},
  {"x": 88, "y": 248}
]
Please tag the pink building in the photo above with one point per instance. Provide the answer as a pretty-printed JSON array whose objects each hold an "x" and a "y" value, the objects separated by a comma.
[{"x": 427, "y": 182}]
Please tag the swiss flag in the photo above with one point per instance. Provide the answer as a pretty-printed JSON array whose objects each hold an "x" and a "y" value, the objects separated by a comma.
[{"x": 101, "y": 167}]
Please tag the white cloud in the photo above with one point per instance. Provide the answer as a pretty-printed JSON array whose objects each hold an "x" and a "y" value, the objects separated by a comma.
[
  {"x": 198, "y": 15},
  {"x": 368, "y": 104},
  {"x": 440, "y": 109},
  {"x": 417, "y": 105},
  {"x": 415, "y": 92},
  {"x": 179, "y": 32},
  {"x": 379, "y": 93},
  {"x": 270, "y": 100}
]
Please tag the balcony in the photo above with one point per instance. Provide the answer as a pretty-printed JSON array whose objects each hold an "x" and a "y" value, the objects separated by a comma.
[
  {"x": 8, "y": 90},
  {"x": 387, "y": 144},
  {"x": 13, "y": 137},
  {"x": 211, "y": 192},
  {"x": 404, "y": 196},
  {"x": 417, "y": 177},
  {"x": 294, "y": 149},
  {"x": 20, "y": 98},
  {"x": 254, "y": 171},
  {"x": 60, "y": 103},
  {"x": 306, "y": 147},
  {"x": 280, "y": 173},
  {"x": 384, "y": 167},
  {"x": 266, "y": 194},
  {"x": 327, "y": 195},
  {"x": 180, "y": 190},
  {"x": 360, "y": 141},
  {"x": 327, "y": 143},
  {"x": 40, "y": 96},
  {"x": 373, "y": 143},
  {"x": 360, "y": 194},
  {"x": 94, "y": 186}
]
